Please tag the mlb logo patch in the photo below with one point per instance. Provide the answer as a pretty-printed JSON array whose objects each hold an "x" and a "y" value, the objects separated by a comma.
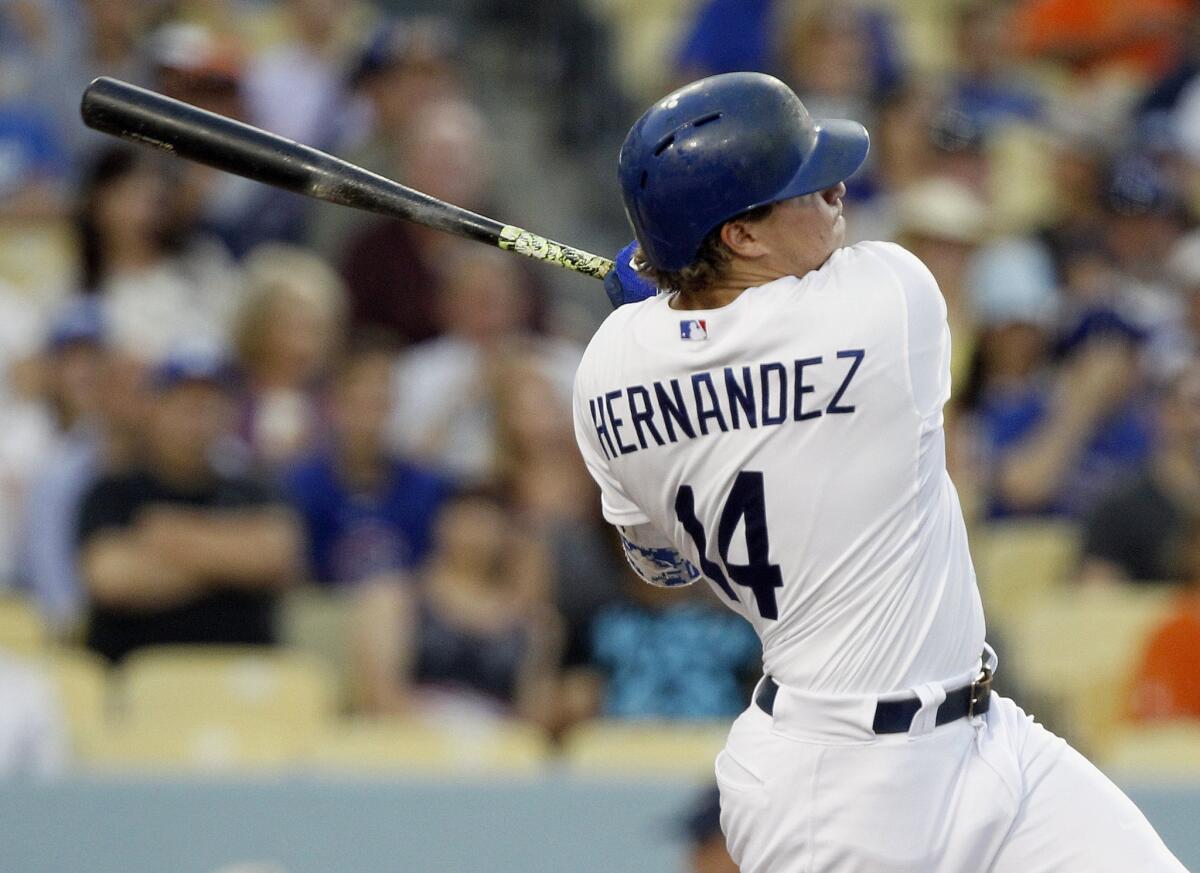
[{"x": 693, "y": 329}]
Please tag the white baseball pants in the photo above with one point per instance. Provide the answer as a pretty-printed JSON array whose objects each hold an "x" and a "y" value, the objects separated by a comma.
[{"x": 812, "y": 789}]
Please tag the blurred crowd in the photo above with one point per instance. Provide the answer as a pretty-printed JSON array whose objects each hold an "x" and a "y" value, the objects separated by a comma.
[{"x": 213, "y": 392}]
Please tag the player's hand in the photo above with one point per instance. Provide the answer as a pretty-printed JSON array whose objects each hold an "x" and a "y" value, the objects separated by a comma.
[{"x": 624, "y": 284}]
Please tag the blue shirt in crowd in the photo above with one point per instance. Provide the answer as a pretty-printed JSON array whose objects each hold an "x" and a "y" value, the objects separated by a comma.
[
  {"x": 352, "y": 534},
  {"x": 1116, "y": 451},
  {"x": 29, "y": 148}
]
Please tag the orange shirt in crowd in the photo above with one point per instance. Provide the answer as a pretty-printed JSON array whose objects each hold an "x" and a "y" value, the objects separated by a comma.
[
  {"x": 1095, "y": 35},
  {"x": 1168, "y": 680}
]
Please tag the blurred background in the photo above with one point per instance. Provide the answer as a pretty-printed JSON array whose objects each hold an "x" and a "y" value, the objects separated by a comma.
[{"x": 300, "y": 568}]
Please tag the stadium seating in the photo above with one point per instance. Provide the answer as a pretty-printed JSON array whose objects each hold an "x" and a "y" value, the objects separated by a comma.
[
  {"x": 158, "y": 744},
  {"x": 1168, "y": 751},
  {"x": 318, "y": 622},
  {"x": 198, "y": 681},
  {"x": 382, "y": 745},
  {"x": 644, "y": 748},
  {"x": 22, "y": 630},
  {"x": 1079, "y": 647},
  {"x": 215, "y": 707},
  {"x": 1018, "y": 561},
  {"x": 81, "y": 679}
]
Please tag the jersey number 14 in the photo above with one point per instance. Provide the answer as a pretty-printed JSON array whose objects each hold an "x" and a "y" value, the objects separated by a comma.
[{"x": 745, "y": 501}]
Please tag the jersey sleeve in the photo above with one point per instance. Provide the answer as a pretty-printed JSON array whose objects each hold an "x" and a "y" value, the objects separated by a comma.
[
  {"x": 618, "y": 508},
  {"x": 654, "y": 559},
  {"x": 928, "y": 331}
]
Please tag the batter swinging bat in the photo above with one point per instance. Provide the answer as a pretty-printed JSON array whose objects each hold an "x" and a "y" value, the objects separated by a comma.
[{"x": 133, "y": 113}]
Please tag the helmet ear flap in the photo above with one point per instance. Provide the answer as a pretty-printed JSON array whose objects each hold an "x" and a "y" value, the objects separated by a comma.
[{"x": 718, "y": 148}]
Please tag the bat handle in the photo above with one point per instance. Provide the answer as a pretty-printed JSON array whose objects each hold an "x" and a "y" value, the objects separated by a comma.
[{"x": 523, "y": 242}]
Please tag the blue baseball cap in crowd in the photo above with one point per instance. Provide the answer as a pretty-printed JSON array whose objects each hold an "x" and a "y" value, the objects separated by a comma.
[
  {"x": 399, "y": 41},
  {"x": 1137, "y": 186},
  {"x": 198, "y": 363},
  {"x": 81, "y": 320}
]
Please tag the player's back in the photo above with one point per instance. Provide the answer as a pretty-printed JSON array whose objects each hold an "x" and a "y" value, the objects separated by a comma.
[{"x": 790, "y": 446}]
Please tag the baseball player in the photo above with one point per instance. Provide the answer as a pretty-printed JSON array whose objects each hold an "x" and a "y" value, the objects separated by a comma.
[{"x": 772, "y": 421}]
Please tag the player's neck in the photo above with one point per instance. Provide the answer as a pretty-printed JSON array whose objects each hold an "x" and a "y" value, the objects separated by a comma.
[{"x": 731, "y": 286}]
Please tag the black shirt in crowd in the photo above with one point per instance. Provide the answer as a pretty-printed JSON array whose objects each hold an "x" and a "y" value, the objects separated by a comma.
[
  {"x": 1141, "y": 530},
  {"x": 229, "y": 616}
]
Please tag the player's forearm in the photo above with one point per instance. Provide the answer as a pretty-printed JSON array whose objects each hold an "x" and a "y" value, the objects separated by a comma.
[
  {"x": 1032, "y": 475},
  {"x": 537, "y": 685},
  {"x": 382, "y": 645},
  {"x": 257, "y": 549},
  {"x": 120, "y": 573}
]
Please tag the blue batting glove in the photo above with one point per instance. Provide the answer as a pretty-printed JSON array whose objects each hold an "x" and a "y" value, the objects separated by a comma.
[{"x": 624, "y": 284}]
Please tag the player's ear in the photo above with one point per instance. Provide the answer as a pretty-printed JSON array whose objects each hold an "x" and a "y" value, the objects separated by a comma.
[{"x": 741, "y": 238}]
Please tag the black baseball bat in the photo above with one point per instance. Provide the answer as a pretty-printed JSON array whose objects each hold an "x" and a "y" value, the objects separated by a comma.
[{"x": 127, "y": 111}]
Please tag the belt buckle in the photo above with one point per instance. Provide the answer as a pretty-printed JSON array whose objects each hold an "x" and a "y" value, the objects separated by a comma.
[{"x": 981, "y": 689}]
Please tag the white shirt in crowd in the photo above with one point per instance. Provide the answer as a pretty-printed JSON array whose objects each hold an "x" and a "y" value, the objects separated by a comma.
[
  {"x": 33, "y": 737},
  {"x": 154, "y": 311}
]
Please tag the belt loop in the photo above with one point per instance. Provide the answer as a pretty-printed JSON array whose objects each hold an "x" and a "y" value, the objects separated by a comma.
[{"x": 931, "y": 695}]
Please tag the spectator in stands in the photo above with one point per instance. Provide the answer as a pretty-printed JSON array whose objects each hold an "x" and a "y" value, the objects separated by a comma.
[
  {"x": 960, "y": 149},
  {"x": 34, "y": 166},
  {"x": 397, "y": 271},
  {"x": 726, "y": 36},
  {"x": 986, "y": 86},
  {"x": 1178, "y": 343},
  {"x": 74, "y": 369},
  {"x": 1138, "y": 533},
  {"x": 297, "y": 87},
  {"x": 288, "y": 332},
  {"x": 110, "y": 445},
  {"x": 943, "y": 222},
  {"x": 1100, "y": 37},
  {"x": 1079, "y": 218},
  {"x": 665, "y": 654},
  {"x": 1167, "y": 681},
  {"x": 161, "y": 284},
  {"x": 1056, "y": 438},
  {"x": 706, "y": 843},
  {"x": 195, "y": 64},
  {"x": 475, "y": 635},
  {"x": 367, "y": 512},
  {"x": 842, "y": 58},
  {"x": 538, "y": 464},
  {"x": 33, "y": 731},
  {"x": 446, "y": 387},
  {"x": 56, "y": 48},
  {"x": 177, "y": 549},
  {"x": 404, "y": 67},
  {"x": 1145, "y": 221},
  {"x": 28, "y": 424}
]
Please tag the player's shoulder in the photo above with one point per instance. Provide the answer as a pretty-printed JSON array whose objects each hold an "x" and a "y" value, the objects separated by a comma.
[
  {"x": 909, "y": 270},
  {"x": 885, "y": 255},
  {"x": 613, "y": 336}
]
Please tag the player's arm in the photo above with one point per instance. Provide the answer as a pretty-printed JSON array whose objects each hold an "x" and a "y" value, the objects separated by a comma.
[
  {"x": 654, "y": 559},
  {"x": 651, "y": 555}
]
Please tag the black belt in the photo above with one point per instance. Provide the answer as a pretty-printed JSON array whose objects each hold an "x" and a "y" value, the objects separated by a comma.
[{"x": 895, "y": 716}]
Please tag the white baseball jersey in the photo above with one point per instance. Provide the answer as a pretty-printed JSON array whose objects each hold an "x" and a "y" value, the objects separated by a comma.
[{"x": 790, "y": 446}]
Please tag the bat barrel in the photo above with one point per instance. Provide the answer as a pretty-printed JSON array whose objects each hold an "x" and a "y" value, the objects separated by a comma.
[
  {"x": 127, "y": 111},
  {"x": 142, "y": 116}
]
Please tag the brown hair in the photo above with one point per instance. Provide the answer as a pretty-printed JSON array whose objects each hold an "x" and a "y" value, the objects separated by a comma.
[{"x": 707, "y": 267}]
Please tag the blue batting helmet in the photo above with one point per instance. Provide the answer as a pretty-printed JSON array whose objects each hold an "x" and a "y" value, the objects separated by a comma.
[{"x": 719, "y": 147}]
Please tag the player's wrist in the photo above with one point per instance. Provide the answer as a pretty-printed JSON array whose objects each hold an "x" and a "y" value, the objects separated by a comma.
[{"x": 624, "y": 284}]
